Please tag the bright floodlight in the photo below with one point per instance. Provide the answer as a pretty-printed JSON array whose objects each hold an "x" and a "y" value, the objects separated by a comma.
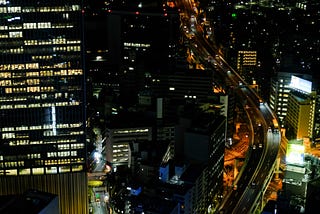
[{"x": 97, "y": 156}]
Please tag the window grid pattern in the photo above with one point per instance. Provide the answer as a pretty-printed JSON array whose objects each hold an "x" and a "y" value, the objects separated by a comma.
[{"x": 41, "y": 87}]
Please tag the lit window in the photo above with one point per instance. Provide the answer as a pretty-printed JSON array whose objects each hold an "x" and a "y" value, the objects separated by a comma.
[
  {"x": 14, "y": 9},
  {"x": 8, "y": 135},
  {"x": 15, "y": 34},
  {"x": 3, "y": 9},
  {"x": 75, "y": 72},
  {"x": 65, "y": 15},
  {"x": 3, "y": 27},
  {"x": 33, "y": 89},
  {"x": 44, "y": 25}
]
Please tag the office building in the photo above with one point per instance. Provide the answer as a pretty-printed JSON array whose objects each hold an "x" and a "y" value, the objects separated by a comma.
[
  {"x": 279, "y": 93},
  {"x": 42, "y": 129},
  {"x": 299, "y": 121},
  {"x": 247, "y": 64},
  {"x": 120, "y": 142},
  {"x": 301, "y": 180},
  {"x": 203, "y": 143},
  {"x": 316, "y": 129}
]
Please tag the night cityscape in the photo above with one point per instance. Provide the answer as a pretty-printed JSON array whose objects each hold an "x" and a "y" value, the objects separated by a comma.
[{"x": 159, "y": 106}]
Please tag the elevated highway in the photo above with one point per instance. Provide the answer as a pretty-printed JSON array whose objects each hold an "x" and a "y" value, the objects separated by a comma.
[{"x": 259, "y": 167}]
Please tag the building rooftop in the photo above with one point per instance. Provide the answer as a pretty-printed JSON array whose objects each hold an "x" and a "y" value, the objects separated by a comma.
[{"x": 31, "y": 202}]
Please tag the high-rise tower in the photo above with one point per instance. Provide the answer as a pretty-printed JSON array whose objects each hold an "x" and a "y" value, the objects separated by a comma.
[{"x": 42, "y": 117}]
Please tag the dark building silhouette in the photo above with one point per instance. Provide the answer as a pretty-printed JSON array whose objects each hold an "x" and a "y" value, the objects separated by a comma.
[{"x": 135, "y": 42}]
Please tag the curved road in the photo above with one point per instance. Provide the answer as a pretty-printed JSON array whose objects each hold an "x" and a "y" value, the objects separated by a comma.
[{"x": 256, "y": 174}]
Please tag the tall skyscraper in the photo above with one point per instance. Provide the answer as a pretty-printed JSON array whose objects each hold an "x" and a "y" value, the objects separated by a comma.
[{"x": 42, "y": 98}]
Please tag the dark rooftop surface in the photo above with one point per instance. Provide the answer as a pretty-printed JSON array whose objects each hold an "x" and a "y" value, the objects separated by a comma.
[{"x": 31, "y": 202}]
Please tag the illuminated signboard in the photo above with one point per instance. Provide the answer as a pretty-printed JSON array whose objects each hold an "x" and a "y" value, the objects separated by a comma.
[
  {"x": 295, "y": 154},
  {"x": 300, "y": 84}
]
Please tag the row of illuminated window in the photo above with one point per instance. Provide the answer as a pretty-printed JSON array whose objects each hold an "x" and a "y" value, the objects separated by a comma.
[
  {"x": 62, "y": 154},
  {"x": 249, "y": 64},
  {"x": 70, "y": 72},
  {"x": 15, "y": 34},
  {"x": 283, "y": 100},
  {"x": 77, "y": 133},
  {"x": 283, "y": 95},
  {"x": 248, "y": 61},
  {"x": 64, "y": 125},
  {"x": 11, "y": 164},
  {"x": 28, "y": 142},
  {"x": 38, "y": 25},
  {"x": 9, "y": 9},
  {"x": 8, "y": 135},
  {"x": 38, "y": 155},
  {"x": 41, "y": 25},
  {"x": 120, "y": 160},
  {"x": 54, "y": 133},
  {"x": 284, "y": 90},
  {"x": 63, "y": 161},
  {"x": 50, "y": 133},
  {"x": 45, "y": 126},
  {"x": 247, "y": 57},
  {"x": 19, "y": 66},
  {"x": 20, "y": 50},
  {"x": 70, "y": 146},
  {"x": 29, "y": 89},
  {"x": 40, "y": 171},
  {"x": 19, "y": 142},
  {"x": 46, "y": 57},
  {"x": 19, "y": 82},
  {"x": 14, "y": 51},
  {"x": 131, "y": 131},
  {"x": 32, "y": 25},
  {"x": 34, "y": 97},
  {"x": 119, "y": 155},
  {"x": 248, "y": 52},
  {"x": 47, "y": 163},
  {"x": 4, "y": 35},
  {"x": 35, "y": 65},
  {"x": 19, "y": 9},
  {"x": 120, "y": 150},
  {"x": 51, "y": 42},
  {"x": 119, "y": 146},
  {"x": 130, "y": 44},
  {"x": 38, "y": 105},
  {"x": 68, "y": 48},
  {"x": 34, "y": 156},
  {"x": 282, "y": 109}
]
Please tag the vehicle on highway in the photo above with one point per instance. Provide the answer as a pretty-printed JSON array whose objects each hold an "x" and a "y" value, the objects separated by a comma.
[{"x": 235, "y": 187}]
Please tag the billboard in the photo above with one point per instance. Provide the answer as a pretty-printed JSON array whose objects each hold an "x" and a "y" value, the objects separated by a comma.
[
  {"x": 301, "y": 84},
  {"x": 295, "y": 154}
]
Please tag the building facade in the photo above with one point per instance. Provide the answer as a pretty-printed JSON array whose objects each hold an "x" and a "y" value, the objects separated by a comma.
[
  {"x": 42, "y": 95},
  {"x": 279, "y": 93},
  {"x": 300, "y": 116},
  {"x": 299, "y": 121},
  {"x": 120, "y": 140},
  {"x": 247, "y": 64}
]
